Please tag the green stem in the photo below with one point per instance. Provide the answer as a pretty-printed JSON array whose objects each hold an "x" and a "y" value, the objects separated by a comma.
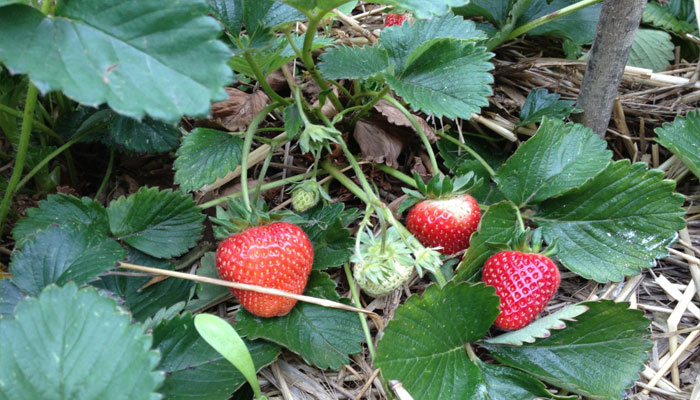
[
  {"x": 370, "y": 104},
  {"x": 363, "y": 318},
  {"x": 520, "y": 218},
  {"x": 345, "y": 181},
  {"x": 263, "y": 82},
  {"x": 22, "y": 149},
  {"x": 548, "y": 18},
  {"x": 247, "y": 142},
  {"x": 471, "y": 354},
  {"x": 308, "y": 59},
  {"x": 397, "y": 174},
  {"x": 108, "y": 173},
  {"x": 51, "y": 156},
  {"x": 267, "y": 186},
  {"x": 350, "y": 109},
  {"x": 35, "y": 123},
  {"x": 263, "y": 171},
  {"x": 469, "y": 150},
  {"x": 417, "y": 127}
]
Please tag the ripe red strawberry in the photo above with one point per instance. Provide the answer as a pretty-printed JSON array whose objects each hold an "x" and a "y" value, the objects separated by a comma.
[
  {"x": 447, "y": 223},
  {"x": 276, "y": 256},
  {"x": 394, "y": 19},
  {"x": 524, "y": 282}
]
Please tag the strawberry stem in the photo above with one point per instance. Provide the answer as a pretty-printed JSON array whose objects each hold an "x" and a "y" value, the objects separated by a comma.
[
  {"x": 471, "y": 354},
  {"x": 469, "y": 150},
  {"x": 363, "y": 320},
  {"x": 247, "y": 142},
  {"x": 419, "y": 130},
  {"x": 397, "y": 174},
  {"x": 308, "y": 60}
]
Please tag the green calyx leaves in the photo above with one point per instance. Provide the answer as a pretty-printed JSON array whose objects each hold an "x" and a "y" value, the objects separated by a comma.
[
  {"x": 439, "y": 187},
  {"x": 382, "y": 260},
  {"x": 314, "y": 137},
  {"x": 236, "y": 218}
]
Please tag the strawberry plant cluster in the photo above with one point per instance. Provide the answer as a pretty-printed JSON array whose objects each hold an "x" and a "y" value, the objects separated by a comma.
[{"x": 110, "y": 294}]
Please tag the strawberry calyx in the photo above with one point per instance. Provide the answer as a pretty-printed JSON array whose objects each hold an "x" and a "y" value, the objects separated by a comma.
[
  {"x": 527, "y": 241},
  {"x": 439, "y": 187},
  {"x": 235, "y": 218}
]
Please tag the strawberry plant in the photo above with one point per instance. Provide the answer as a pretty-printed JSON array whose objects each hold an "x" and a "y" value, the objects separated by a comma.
[{"x": 295, "y": 178}]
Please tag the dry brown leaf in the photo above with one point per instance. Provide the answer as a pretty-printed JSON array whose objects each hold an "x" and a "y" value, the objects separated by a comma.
[
  {"x": 377, "y": 144},
  {"x": 236, "y": 113},
  {"x": 396, "y": 117},
  {"x": 328, "y": 108},
  {"x": 276, "y": 80}
]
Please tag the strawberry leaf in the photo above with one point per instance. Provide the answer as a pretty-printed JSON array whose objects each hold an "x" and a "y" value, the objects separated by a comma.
[
  {"x": 63, "y": 209},
  {"x": 506, "y": 383},
  {"x": 682, "y": 137},
  {"x": 10, "y": 295},
  {"x": 75, "y": 344},
  {"x": 615, "y": 224},
  {"x": 427, "y": 9},
  {"x": 145, "y": 136},
  {"x": 206, "y": 293},
  {"x": 498, "y": 225},
  {"x": 423, "y": 346},
  {"x": 559, "y": 157},
  {"x": 321, "y": 336},
  {"x": 353, "y": 62},
  {"x": 540, "y": 103},
  {"x": 194, "y": 370},
  {"x": 463, "y": 64},
  {"x": 125, "y": 57},
  {"x": 661, "y": 17},
  {"x": 578, "y": 27},
  {"x": 162, "y": 224},
  {"x": 205, "y": 155},
  {"x": 598, "y": 356},
  {"x": 141, "y": 296},
  {"x": 60, "y": 254},
  {"x": 331, "y": 241},
  {"x": 541, "y": 327},
  {"x": 652, "y": 49}
]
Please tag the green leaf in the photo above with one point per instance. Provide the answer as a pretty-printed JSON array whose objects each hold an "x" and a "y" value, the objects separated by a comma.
[
  {"x": 207, "y": 293},
  {"x": 401, "y": 41},
  {"x": 225, "y": 340},
  {"x": 280, "y": 13},
  {"x": 162, "y": 224},
  {"x": 541, "y": 327},
  {"x": 331, "y": 242},
  {"x": 506, "y": 383},
  {"x": 578, "y": 27},
  {"x": 229, "y": 13},
  {"x": 145, "y": 136},
  {"x": 423, "y": 82},
  {"x": 423, "y": 346},
  {"x": 652, "y": 49},
  {"x": 353, "y": 62},
  {"x": 559, "y": 157},
  {"x": 61, "y": 209},
  {"x": 321, "y": 336},
  {"x": 662, "y": 18},
  {"x": 682, "y": 137},
  {"x": 460, "y": 162},
  {"x": 75, "y": 344},
  {"x": 494, "y": 11},
  {"x": 10, "y": 295},
  {"x": 204, "y": 156},
  {"x": 598, "y": 356},
  {"x": 426, "y": 9},
  {"x": 142, "y": 297},
  {"x": 540, "y": 103},
  {"x": 615, "y": 224},
  {"x": 63, "y": 253},
  {"x": 498, "y": 225},
  {"x": 140, "y": 57},
  {"x": 194, "y": 370},
  {"x": 292, "y": 120}
]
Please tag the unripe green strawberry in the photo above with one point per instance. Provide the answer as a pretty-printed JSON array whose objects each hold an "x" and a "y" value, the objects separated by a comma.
[
  {"x": 306, "y": 195},
  {"x": 381, "y": 270},
  {"x": 278, "y": 256},
  {"x": 387, "y": 278}
]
